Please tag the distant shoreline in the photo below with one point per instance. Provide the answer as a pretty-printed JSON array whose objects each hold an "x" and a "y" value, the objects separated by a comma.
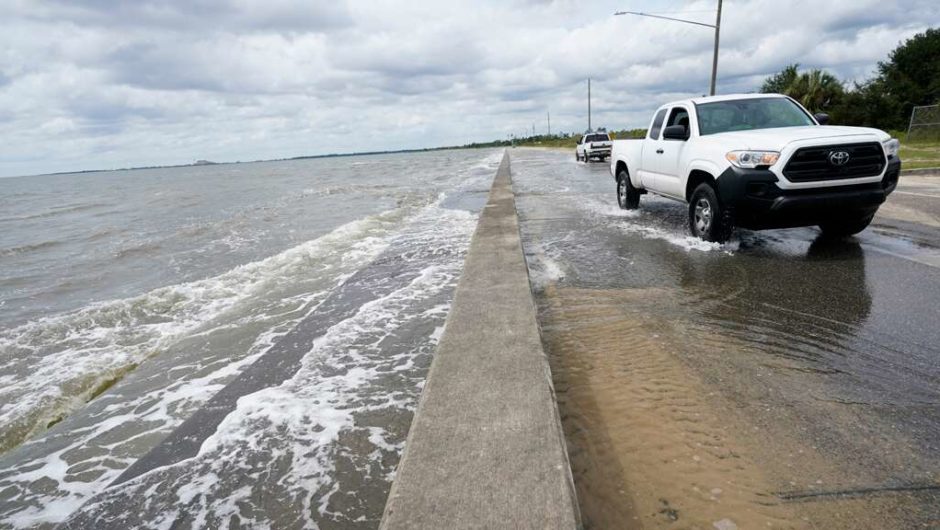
[
  {"x": 553, "y": 141},
  {"x": 202, "y": 163}
]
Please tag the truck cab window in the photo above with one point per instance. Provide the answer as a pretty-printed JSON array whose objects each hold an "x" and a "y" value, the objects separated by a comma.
[
  {"x": 657, "y": 124},
  {"x": 679, "y": 116}
]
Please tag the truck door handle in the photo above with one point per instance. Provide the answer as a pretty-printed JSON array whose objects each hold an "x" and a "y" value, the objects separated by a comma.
[{"x": 659, "y": 151}]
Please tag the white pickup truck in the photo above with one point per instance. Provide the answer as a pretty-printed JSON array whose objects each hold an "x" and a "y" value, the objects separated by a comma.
[
  {"x": 593, "y": 145},
  {"x": 758, "y": 161}
]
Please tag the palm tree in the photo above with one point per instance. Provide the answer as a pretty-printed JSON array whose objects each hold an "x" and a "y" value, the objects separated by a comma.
[
  {"x": 779, "y": 82},
  {"x": 816, "y": 90}
]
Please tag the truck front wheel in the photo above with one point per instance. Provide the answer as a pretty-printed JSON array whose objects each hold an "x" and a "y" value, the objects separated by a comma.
[
  {"x": 708, "y": 219},
  {"x": 846, "y": 227},
  {"x": 628, "y": 197}
]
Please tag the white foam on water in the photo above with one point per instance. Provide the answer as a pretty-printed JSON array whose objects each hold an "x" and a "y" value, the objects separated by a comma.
[
  {"x": 97, "y": 350},
  {"x": 329, "y": 190},
  {"x": 236, "y": 241},
  {"x": 439, "y": 311},
  {"x": 160, "y": 410},
  {"x": 314, "y": 428},
  {"x": 436, "y": 336},
  {"x": 67, "y": 356},
  {"x": 105, "y": 338},
  {"x": 685, "y": 242},
  {"x": 603, "y": 208},
  {"x": 544, "y": 269},
  {"x": 300, "y": 424},
  {"x": 490, "y": 162},
  {"x": 644, "y": 223}
]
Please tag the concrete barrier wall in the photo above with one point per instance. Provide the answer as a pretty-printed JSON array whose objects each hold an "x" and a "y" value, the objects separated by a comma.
[{"x": 486, "y": 448}]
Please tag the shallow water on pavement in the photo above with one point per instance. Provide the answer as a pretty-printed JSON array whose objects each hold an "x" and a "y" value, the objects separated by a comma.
[{"x": 778, "y": 380}]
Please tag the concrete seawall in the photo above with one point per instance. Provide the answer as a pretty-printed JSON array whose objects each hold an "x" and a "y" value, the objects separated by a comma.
[{"x": 486, "y": 447}]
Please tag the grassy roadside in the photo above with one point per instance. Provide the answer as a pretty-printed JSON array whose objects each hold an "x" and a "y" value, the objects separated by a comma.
[
  {"x": 920, "y": 155},
  {"x": 554, "y": 142},
  {"x": 569, "y": 142}
]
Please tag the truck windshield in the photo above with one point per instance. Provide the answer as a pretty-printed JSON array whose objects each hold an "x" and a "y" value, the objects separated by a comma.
[
  {"x": 747, "y": 114},
  {"x": 598, "y": 138}
]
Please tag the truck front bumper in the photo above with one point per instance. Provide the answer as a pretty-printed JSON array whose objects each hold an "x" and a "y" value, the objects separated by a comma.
[{"x": 757, "y": 201}]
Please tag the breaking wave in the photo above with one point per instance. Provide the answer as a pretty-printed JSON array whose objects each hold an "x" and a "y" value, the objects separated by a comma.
[{"x": 69, "y": 358}]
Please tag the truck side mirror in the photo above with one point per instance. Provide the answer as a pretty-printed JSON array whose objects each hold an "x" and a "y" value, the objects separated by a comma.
[
  {"x": 822, "y": 118},
  {"x": 676, "y": 132}
]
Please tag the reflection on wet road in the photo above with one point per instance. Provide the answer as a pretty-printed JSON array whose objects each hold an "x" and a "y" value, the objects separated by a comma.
[{"x": 777, "y": 381}]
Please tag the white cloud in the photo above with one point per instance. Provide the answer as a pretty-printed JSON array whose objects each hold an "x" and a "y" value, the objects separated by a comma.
[{"x": 85, "y": 84}]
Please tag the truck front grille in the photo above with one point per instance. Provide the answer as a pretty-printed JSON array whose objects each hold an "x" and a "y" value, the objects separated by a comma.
[{"x": 814, "y": 163}]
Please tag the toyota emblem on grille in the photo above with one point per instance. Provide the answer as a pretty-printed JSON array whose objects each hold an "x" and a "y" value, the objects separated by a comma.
[{"x": 838, "y": 158}]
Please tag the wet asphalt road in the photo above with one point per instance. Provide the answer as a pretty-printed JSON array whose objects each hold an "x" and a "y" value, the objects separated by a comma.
[{"x": 779, "y": 380}]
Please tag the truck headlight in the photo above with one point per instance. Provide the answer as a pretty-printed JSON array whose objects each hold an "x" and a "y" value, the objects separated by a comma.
[
  {"x": 752, "y": 159},
  {"x": 892, "y": 147}
]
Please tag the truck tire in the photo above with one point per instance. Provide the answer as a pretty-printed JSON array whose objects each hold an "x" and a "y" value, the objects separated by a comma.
[
  {"x": 708, "y": 218},
  {"x": 577, "y": 156},
  {"x": 845, "y": 227},
  {"x": 628, "y": 197}
]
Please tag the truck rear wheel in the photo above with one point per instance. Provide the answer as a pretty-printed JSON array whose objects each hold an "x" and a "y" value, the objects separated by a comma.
[
  {"x": 708, "y": 219},
  {"x": 628, "y": 197},
  {"x": 846, "y": 227}
]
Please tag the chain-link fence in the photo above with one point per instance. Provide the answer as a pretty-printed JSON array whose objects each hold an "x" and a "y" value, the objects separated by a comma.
[{"x": 925, "y": 124}]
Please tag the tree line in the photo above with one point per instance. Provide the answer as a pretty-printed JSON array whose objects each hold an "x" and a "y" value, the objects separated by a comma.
[{"x": 909, "y": 77}]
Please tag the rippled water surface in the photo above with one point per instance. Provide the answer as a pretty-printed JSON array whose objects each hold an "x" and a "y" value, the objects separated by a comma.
[
  {"x": 128, "y": 299},
  {"x": 780, "y": 380}
]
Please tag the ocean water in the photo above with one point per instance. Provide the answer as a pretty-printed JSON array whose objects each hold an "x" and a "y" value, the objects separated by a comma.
[{"x": 129, "y": 299}]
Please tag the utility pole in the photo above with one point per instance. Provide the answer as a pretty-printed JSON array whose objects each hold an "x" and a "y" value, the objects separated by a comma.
[
  {"x": 715, "y": 55},
  {"x": 548, "y": 113},
  {"x": 589, "y": 103},
  {"x": 716, "y": 27}
]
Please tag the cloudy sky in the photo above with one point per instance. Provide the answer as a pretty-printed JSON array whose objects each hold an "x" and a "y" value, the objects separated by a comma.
[{"x": 106, "y": 84}]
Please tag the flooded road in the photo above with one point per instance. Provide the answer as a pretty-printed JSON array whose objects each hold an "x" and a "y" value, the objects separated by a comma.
[{"x": 776, "y": 381}]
